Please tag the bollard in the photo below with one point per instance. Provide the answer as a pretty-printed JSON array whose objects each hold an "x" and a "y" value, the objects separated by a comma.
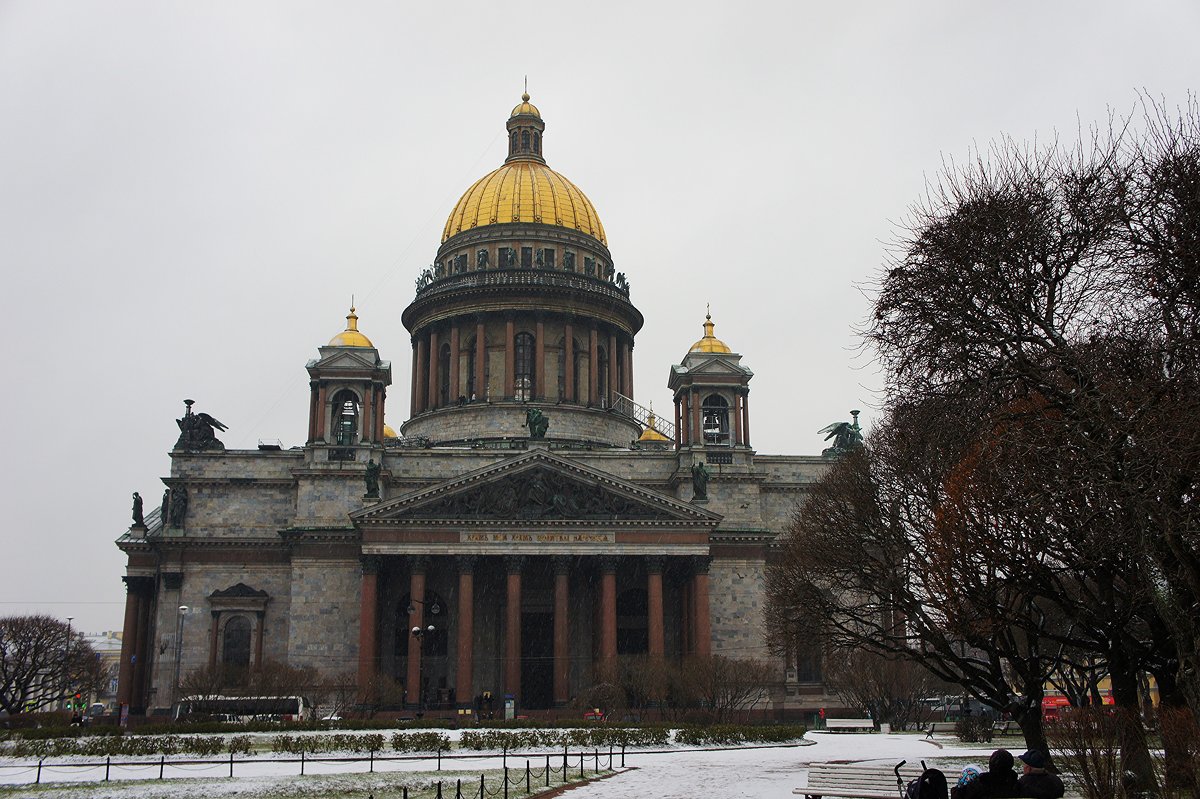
[
  {"x": 581, "y": 756},
  {"x": 564, "y": 762},
  {"x": 439, "y": 792},
  {"x": 622, "y": 755},
  {"x": 596, "y": 754},
  {"x": 505, "y": 760},
  {"x": 231, "y": 765},
  {"x": 39, "y": 774},
  {"x": 547, "y": 770},
  {"x": 527, "y": 790},
  {"x": 162, "y": 761},
  {"x": 405, "y": 792},
  {"x": 301, "y": 762},
  {"x": 107, "y": 764},
  {"x": 506, "y": 782},
  {"x": 439, "y": 753},
  {"x": 482, "y": 793},
  {"x": 458, "y": 790}
]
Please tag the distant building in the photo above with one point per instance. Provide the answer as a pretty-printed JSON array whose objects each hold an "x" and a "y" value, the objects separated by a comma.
[{"x": 527, "y": 555}]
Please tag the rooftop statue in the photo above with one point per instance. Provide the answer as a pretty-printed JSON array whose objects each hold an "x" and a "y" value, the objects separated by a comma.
[
  {"x": 197, "y": 431},
  {"x": 138, "y": 519},
  {"x": 700, "y": 475},
  {"x": 846, "y": 436},
  {"x": 537, "y": 423}
]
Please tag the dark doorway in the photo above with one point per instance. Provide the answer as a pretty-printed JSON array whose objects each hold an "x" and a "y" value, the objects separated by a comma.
[{"x": 537, "y": 660}]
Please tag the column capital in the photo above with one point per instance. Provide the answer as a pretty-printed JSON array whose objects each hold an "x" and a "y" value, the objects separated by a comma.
[
  {"x": 138, "y": 586},
  {"x": 654, "y": 564},
  {"x": 466, "y": 563},
  {"x": 701, "y": 563},
  {"x": 608, "y": 563},
  {"x": 561, "y": 564},
  {"x": 371, "y": 564},
  {"x": 513, "y": 564}
]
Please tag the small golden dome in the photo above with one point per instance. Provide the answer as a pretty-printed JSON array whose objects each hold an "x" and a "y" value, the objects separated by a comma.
[
  {"x": 524, "y": 191},
  {"x": 350, "y": 337},
  {"x": 651, "y": 432},
  {"x": 388, "y": 432},
  {"x": 709, "y": 343},
  {"x": 525, "y": 108}
]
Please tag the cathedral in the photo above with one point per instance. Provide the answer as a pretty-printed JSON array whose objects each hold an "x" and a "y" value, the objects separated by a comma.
[{"x": 530, "y": 521}]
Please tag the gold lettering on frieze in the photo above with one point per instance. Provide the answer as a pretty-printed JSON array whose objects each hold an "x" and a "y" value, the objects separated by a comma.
[{"x": 537, "y": 538}]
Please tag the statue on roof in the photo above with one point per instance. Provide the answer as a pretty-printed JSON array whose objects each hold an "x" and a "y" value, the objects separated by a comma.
[
  {"x": 846, "y": 436},
  {"x": 537, "y": 423},
  {"x": 138, "y": 519},
  {"x": 373, "y": 470},
  {"x": 197, "y": 431},
  {"x": 700, "y": 475}
]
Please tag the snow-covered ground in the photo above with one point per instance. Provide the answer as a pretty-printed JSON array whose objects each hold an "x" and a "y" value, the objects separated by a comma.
[{"x": 726, "y": 773}]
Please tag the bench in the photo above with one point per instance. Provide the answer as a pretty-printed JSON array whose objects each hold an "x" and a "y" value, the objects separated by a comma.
[
  {"x": 854, "y": 780},
  {"x": 849, "y": 724},
  {"x": 1006, "y": 728},
  {"x": 941, "y": 726}
]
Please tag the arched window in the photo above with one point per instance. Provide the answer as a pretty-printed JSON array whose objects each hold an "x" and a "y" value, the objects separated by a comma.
[
  {"x": 525, "y": 141},
  {"x": 715, "y": 413},
  {"x": 345, "y": 418},
  {"x": 602, "y": 376},
  {"x": 537, "y": 142},
  {"x": 472, "y": 389},
  {"x": 523, "y": 367},
  {"x": 444, "y": 375},
  {"x": 235, "y": 645},
  {"x": 513, "y": 145}
]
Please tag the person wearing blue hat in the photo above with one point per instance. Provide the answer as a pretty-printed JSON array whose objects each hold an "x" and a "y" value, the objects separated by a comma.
[
  {"x": 1036, "y": 782},
  {"x": 998, "y": 782}
]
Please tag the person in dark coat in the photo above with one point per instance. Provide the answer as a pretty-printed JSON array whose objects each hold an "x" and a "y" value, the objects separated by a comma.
[
  {"x": 1036, "y": 782},
  {"x": 998, "y": 782}
]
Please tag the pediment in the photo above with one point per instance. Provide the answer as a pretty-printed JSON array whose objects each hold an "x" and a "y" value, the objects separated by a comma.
[
  {"x": 719, "y": 366},
  {"x": 537, "y": 488},
  {"x": 347, "y": 359}
]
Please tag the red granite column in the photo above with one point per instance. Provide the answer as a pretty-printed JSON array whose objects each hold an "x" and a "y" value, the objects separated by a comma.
[
  {"x": 134, "y": 588},
  {"x": 435, "y": 360},
  {"x": 312, "y": 411},
  {"x": 612, "y": 370},
  {"x": 608, "y": 608},
  {"x": 685, "y": 613},
  {"x": 697, "y": 427},
  {"x": 654, "y": 601},
  {"x": 510, "y": 358},
  {"x": 454, "y": 389},
  {"x": 538, "y": 389},
  {"x": 737, "y": 418},
  {"x": 464, "y": 683},
  {"x": 481, "y": 391},
  {"x": 422, "y": 372},
  {"x": 569, "y": 363},
  {"x": 368, "y": 653},
  {"x": 746, "y": 419},
  {"x": 416, "y": 596},
  {"x": 137, "y": 698},
  {"x": 512, "y": 627},
  {"x": 412, "y": 401},
  {"x": 562, "y": 631},
  {"x": 703, "y": 621},
  {"x": 627, "y": 370},
  {"x": 678, "y": 420},
  {"x": 593, "y": 366},
  {"x": 382, "y": 406},
  {"x": 322, "y": 397}
]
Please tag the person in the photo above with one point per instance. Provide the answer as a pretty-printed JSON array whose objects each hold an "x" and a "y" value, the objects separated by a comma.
[
  {"x": 998, "y": 782},
  {"x": 1036, "y": 782}
]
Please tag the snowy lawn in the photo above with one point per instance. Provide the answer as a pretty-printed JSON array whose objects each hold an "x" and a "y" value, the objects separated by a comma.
[{"x": 725, "y": 773}]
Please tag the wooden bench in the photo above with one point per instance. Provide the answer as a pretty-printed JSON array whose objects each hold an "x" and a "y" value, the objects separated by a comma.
[
  {"x": 855, "y": 780},
  {"x": 849, "y": 724},
  {"x": 1006, "y": 728},
  {"x": 941, "y": 726}
]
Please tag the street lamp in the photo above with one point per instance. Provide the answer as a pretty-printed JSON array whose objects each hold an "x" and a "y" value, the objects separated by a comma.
[
  {"x": 420, "y": 635},
  {"x": 183, "y": 609},
  {"x": 67, "y": 658}
]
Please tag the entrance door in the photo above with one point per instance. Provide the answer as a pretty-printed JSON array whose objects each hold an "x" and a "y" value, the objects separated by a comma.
[{"x": 537, "y": 660}]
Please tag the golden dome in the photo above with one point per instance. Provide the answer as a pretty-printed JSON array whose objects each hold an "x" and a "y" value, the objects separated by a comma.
[
  {"x": 709, "y": 343},
  {"x": 651, "y": 432},
  {"x": 350, "y": 337},
  {"x": 524, "y": 191},
  {"x": 388, "y": 432},
  {"x": 526, "y": 108}
]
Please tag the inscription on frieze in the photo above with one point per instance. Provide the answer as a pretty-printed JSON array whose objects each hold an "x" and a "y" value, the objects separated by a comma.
[{"x": 537, "y": 538}]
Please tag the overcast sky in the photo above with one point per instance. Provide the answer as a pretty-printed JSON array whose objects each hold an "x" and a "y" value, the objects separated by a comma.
[{"x": 190, "y": 192}]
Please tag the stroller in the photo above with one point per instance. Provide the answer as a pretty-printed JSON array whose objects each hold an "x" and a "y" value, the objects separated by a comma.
[{"x": 930, "y": 785}]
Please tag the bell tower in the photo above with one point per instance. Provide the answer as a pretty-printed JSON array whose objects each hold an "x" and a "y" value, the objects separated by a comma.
[
  {"x": 348, "y": 385},
  {"x": 712, "y": 390}
]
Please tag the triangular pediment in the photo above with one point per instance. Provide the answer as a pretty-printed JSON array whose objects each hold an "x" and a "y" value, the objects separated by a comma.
[
  {"x": 347, "y": 359},
  {"x": 537, "y": 488},
  {"x": 718, "y": 366}
]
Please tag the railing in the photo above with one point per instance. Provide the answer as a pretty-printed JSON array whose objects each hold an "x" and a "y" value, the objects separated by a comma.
[
  {"x": 641, "y": 414},
  {"x": 491, "y": 783},
  {"x": 523, "y": 277}
]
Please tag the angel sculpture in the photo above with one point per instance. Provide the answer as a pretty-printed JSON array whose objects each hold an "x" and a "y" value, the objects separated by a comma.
[
  {"x": 197, "y": 430},
  {"x": 846, "y": 436}
]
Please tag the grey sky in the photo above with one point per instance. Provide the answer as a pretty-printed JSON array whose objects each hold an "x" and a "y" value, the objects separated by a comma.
[{"x": 190, "y": 192}]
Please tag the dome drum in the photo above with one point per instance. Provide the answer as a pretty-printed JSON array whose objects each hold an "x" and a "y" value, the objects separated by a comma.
[{"x": 483, "y": 424}]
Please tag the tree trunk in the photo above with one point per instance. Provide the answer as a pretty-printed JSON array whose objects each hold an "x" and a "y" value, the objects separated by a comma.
[
  {"x": 1177, "y": 734},
  {"x": 1137, "y": 769}
]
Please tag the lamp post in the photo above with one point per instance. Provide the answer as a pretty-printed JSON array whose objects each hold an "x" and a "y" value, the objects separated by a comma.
[
  {"x": 67, "y": 658},
  {"x": 420, "y": 635},
  {"x": 183, "y": 609}
]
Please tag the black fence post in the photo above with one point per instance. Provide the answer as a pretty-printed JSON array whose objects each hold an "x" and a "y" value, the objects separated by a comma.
[
  {"x": 622, "y": 755},
  {"x": 581, "y": 756},
  {"x": 439, "y": 793},
  {"x": 527, "y": 788},
  {"x": 505, "y": 750},
  {"x": 596, "y": 754},
  {"x": 458, "y": 789},
  {"x": 404, "y": 792},
  {"x": 439, "y": 754},
  {"x": 482, "y": 793},
  {"x": 610, "y": 757},
  {"x": 107, "y": 765},
  {"x": 506, "y": 782},
  {"x": 564, "y": 762},
  {"x": 301, "y": 762},
  {"x": 231, "y": 764},
  {"x": 162, "y": 762},
  {"x": 547, "y": 769},
  {"x": 39, "y": 774}
]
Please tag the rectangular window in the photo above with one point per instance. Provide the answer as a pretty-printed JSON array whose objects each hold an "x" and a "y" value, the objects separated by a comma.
[
  {"x": 589, "y": 266},
  {"x": 460, "y": 264},
  {"x": 569, "y": 261},
  {"x": 527, "y": 257},
  {"x": 548, "y": 259}
]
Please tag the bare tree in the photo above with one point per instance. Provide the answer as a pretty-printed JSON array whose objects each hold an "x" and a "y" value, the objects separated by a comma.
[
  {"x": 42, "y": 661},
  {"x": 727, "y": 688},
  {"x": 892, "y": 689}
]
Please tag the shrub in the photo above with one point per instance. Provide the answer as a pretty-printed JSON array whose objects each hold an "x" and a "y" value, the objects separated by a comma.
[
  {"x": 974, "y": 729},
  {"x": 421, "y": 742},
  {"x": 241, "y": 745}
]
